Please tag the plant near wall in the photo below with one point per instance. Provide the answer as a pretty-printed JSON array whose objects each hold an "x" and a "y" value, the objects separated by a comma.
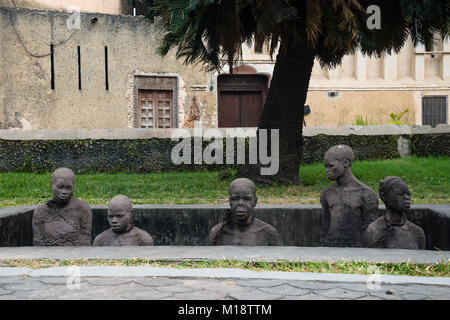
[
  {"x": 359, "y": 121},
  {"x": 396, "y": 117}
]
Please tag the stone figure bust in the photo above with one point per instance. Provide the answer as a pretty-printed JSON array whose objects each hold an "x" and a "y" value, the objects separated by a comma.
[
  {"x": 63, "y": 220},
  {"x": 348, "y": 206},
  {"x": 122, "y": 232},
  {"x": 393, "y": 230},
  {"x": 240, "y": 226}
]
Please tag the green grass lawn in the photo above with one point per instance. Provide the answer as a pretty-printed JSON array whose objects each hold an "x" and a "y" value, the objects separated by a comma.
[
  {"x": 441, "y": 269},
  {"x": 427, "y": 178}
]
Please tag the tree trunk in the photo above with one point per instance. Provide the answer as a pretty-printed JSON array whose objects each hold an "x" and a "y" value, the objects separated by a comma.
[{"x": 283, "y": 110}]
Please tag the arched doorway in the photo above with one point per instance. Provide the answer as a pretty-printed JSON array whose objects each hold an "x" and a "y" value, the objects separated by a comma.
[{"x": 241, "y": 99}]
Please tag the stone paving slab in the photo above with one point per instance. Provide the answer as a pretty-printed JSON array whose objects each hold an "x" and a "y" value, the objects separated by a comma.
[
  {"x": 180, "y": 253},
  {"x": 44, "y": 286},
  {"x": 149, "y": 283}
]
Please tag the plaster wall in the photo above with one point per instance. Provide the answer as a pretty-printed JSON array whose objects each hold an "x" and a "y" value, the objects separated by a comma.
[
  {"x": 27, "y": 100},
  {"x": 367, "y": 86},
  {"x": 99, "y": 6}
]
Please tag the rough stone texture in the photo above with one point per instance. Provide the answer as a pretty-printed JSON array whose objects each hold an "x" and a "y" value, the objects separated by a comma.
[
  {"x": 156, "y": 282},
  {"x": 426, "y": 145},
  {"x": 57, "y": 280},
  {"x": 298, "y": 225},
  {"x": 259, "y": 283},
  {"x": 393, "y": 229},
  {"x": 240, "y": 227},
  {"x": 310, "y": 296},
  {"x": 109, "y": 281},
  {"x": 286, "y": 290},
  {"x": 199, "y": 295},
  {"x": 122, "y": 232},
  {"x": 27, "y": 81},
  {"x": 5, "y": 292},
  {"x": 147, "y": 150},
  {"x": 62, "y": 225},
  {"x": 348, "y": 205},
  {"x": 255, "y": 295},
  {"x": 340, "y": 293}
]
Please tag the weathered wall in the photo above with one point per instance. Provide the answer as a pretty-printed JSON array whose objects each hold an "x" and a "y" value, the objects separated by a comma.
[
  {"x": 368, "y": 104},
  {"x": 369, "y": 87},
  {"x": 26, "y": 98},
  {"x": 100, "y": 6},
  {"x": 147, "y": 150}
]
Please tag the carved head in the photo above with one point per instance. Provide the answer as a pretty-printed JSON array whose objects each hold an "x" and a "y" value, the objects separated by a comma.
[
  {"x": 395, "y": 193},
  {"x": 63, "y": 180},
  {"x": 337, "y": 160},
  {"x": 242, "y": 198},
  {"x": 119, "y": 213}
]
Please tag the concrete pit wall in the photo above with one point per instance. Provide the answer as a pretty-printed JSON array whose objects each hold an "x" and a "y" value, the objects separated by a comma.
[{"x": 175, "y": 225}]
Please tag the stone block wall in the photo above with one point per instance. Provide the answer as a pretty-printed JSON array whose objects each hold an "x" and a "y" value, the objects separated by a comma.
[{"x": 145, "y": 150}]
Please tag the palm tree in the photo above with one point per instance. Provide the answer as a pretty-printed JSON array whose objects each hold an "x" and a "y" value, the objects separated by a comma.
[{"x": 212, "y": 31}]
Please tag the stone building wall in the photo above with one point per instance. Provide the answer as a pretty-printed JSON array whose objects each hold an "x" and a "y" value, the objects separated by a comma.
[
  {"x": 27, "y": 100},
  {"x": 371, "y": 87},
  {"x": 151, "y": 150},
  {"x": 361, "y": 86},
  {"x": 97, "y": 6}
]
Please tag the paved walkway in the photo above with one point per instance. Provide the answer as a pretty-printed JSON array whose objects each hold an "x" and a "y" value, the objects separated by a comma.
[
  {"x": 210, "y": 284},
  {"x": 149, "y": 283}
]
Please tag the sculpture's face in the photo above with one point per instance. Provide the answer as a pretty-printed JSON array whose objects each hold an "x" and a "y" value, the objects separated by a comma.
[
  {"x": 119, "y": 218},
  {"x": 399, "y": 197},
  {"x": 334, "y": 168},
  {"x": 242, "y": 201},
  {"x": 62, "y": 188}
]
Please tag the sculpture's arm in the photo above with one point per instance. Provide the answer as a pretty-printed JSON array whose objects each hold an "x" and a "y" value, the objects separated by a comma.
[
  {"x": 274, "y": 238},
  {"x": 421, "y": 239},
  {"x": 369, "y": 210},
  {"x": 38, "y": 239},
  {"x": 85, "y": 226},
  {"x": 214, "y": 234},
  {"x": 98, "y": 241},
  {"x": 368, "y": 238},
  {"x": 146, "y": 240}
]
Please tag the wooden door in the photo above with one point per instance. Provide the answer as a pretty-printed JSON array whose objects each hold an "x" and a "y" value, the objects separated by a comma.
[
  {"x": 241, "y": 100},
  {"x": 251, "y": 108},
  {"x": 240, "y": 108},
  {"x": 155, "y": 109},
  {"x": 229, "y": 109}
]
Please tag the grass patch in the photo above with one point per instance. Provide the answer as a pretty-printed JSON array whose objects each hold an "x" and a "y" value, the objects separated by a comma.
[
  {"x": 441, "y": 269},
  {"x": 427, "y": 178}
]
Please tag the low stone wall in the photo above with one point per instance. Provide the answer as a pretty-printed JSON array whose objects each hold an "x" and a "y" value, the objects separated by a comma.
[
  {"x": 299, "y": 225},
  {"x": 149, "y": 150}
]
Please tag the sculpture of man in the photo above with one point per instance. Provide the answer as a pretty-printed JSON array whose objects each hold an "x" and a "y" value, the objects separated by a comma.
[
  {"x": 393, "y": 230},
  {"x": 122, "y": 232},
  {"x": 240, "y": 226},
  {"x": 63, "y": 220},
  {"x": 348, "y": 206}
]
